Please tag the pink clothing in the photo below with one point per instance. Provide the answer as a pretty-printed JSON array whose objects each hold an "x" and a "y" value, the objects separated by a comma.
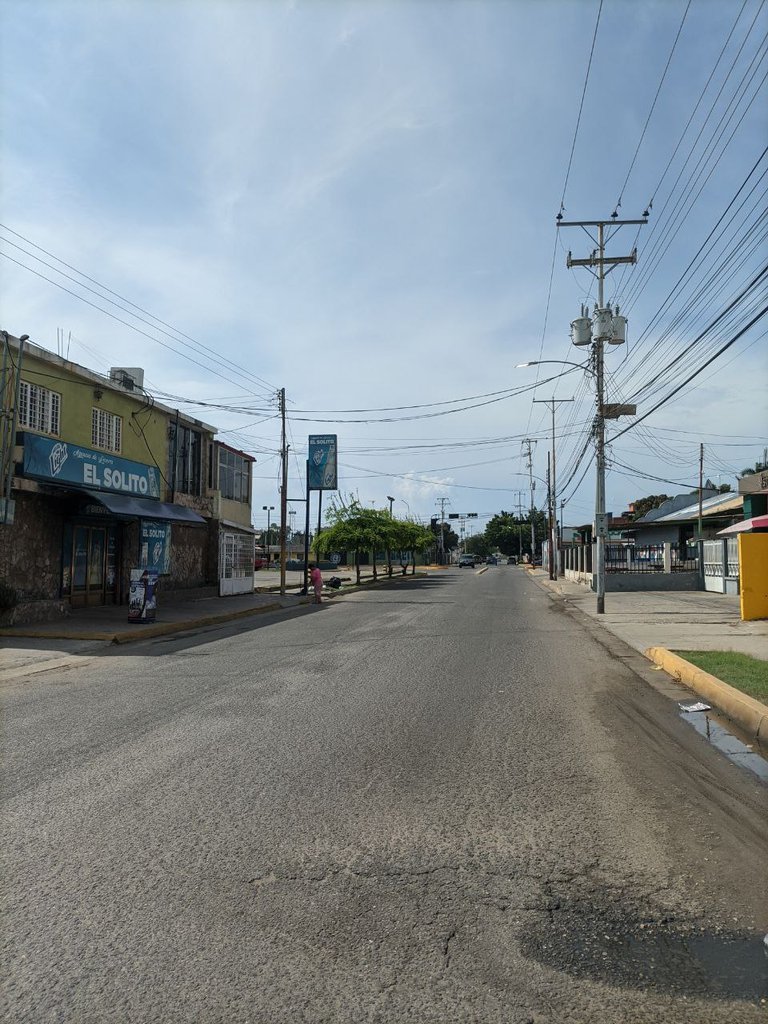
[{"x": 317, "y": 581}]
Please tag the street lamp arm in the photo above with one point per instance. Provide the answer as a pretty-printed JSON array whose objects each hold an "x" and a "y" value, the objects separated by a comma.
[{"x": 560, "y": 362}]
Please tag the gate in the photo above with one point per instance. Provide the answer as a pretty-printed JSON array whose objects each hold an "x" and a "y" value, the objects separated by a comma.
[{"x": 235, "y": 564}]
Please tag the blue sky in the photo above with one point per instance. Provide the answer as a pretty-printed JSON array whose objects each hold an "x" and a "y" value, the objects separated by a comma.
[{"x": 356, "y": 201}]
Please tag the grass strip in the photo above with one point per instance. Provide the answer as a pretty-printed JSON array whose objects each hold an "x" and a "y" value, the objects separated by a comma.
[{"x": 745, "y": 673}]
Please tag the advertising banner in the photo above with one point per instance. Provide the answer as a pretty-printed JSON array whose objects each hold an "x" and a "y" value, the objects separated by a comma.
[
  {"x": 323, "y": 462},
  {"x": 142, "y": 598},
  {"x": 62, "y": 462},
  {"x": 155, "y": 546}
]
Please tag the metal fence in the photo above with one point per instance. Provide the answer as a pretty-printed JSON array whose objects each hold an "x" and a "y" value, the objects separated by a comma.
[{"x": 649, "y": 558}]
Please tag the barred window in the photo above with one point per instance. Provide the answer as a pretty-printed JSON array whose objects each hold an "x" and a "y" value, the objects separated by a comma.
[
  {"x": 234, "y": 476},
  {"x": 39, "y": 408},
  {"x": 106, "y": 430}
]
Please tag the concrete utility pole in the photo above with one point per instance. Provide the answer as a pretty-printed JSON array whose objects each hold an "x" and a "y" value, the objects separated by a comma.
[
  {"x": 442, "y": 502},
  {"x": 603, "y": 329},
  {"x": 552, "y": 402},
  {"x": 550, "y": 528},
  {"x": 701, "y": 487},
  {"x": 519, "y": 526},
  {"x": 283, "y": 492},
  {"x": 529, "y": 463}
]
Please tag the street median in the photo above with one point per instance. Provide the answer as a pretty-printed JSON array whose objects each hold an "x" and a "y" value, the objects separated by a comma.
[{"x": 745, "y": 711}]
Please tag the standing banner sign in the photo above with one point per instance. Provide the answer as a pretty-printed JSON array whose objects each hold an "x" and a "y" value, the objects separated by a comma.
[
  {"x": 142, "y": 599},
  {"x": 323, "y": 474}
]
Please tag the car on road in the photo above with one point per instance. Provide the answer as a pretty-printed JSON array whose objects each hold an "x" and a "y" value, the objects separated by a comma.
[
  {"x": 492, "y": 560},
  {"x": 512, "y": 560},
  {"x": 466, "y": 561}
]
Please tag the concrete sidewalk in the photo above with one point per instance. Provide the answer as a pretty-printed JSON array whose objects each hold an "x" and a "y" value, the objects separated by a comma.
[{"x": 682, "y": 621}]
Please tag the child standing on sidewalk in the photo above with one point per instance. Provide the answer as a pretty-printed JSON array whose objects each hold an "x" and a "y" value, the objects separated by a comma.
[{"x": 316, "y": 578}]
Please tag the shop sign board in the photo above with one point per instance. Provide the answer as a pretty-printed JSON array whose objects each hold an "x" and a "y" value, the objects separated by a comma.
[
  {"x": 62, "y": 462},
  {"x": 155, "y": 546},
  {"x": 323, "y": 462}
]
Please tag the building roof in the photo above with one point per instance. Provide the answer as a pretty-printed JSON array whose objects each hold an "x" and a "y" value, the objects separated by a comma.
[{"x": 718, "y": 504}]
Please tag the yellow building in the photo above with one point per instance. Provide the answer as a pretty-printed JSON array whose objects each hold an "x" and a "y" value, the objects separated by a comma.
[{"x": 97, "y": 479}]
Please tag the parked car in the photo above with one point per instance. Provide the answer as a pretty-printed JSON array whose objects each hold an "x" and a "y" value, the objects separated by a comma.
[{"x": 466, "y": 560}]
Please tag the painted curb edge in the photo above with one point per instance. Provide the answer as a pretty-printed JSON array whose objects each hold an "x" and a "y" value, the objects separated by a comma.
[{"x": 746, "y": 711}]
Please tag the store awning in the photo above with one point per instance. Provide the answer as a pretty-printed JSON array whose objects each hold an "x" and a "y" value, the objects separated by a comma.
[
  {"x": 129, "y": 507},
  {"x": 755, "y": 523}
]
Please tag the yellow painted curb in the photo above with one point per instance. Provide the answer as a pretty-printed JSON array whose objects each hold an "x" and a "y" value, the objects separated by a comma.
[{"x": 750, "y": 714}]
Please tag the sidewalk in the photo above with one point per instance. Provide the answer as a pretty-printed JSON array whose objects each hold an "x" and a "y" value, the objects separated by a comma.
[{"x": 682, "y": 621}]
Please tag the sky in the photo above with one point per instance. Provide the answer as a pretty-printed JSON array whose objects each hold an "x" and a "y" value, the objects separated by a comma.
[{"x": 357, "y": 202}]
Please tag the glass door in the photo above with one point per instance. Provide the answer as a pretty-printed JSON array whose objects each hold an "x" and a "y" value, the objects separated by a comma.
[{"x": 89, "y": 566}]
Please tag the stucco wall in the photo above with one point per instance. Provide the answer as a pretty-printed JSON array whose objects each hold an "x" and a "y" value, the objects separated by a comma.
[
  {"x": 753, "y": 571},
  {"x": 637, "y": 581},
  {"x": 30, "y": 548}
]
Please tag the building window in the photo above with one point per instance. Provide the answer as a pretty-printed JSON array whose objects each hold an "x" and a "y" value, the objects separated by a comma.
[
  {"x": 234, "y": 476},
  {"x": 39, "y": 408},
  {"x": 106, "y": 430},
  {"x": 185, "y": 449}
]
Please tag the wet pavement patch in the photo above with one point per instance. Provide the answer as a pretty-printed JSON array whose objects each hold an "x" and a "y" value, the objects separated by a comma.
[
  {"x": 698, "y": 963},
  {"x": 721, "y": 734}
]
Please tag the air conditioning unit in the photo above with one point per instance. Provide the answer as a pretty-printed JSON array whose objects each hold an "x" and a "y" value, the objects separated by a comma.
[{"x": 128, "y": 377}]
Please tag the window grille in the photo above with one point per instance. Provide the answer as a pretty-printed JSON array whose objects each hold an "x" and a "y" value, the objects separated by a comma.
[
  {"x": 106, "y": 430},
  {"x": 39, "y": 408}
]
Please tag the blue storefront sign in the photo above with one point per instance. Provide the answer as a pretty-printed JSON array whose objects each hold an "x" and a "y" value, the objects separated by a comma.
[
  {"x": 155, "y": 546},
  {"x": 322, "y": 462},
  {"x": 65, "y": 463}
]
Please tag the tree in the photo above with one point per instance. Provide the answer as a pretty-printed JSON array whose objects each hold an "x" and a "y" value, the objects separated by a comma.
[
  {"x": 641, "y": 506},
  {"x": 450, "y": 537},
  {"x": 355, "y": 528},
  {"x": 511, "y": 534},
  {"x": 478, "y": 544},
  {"x": 411, "y": 537}
]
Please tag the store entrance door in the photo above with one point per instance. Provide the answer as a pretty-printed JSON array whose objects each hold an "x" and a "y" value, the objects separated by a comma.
[{"x": 93, "y": 565}]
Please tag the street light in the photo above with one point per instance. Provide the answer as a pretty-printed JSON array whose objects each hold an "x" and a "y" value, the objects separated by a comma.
[{"x": 268, "y": 509}]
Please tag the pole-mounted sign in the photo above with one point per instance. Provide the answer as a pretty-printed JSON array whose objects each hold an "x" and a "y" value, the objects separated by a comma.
[{"x": 323, "y": 474}]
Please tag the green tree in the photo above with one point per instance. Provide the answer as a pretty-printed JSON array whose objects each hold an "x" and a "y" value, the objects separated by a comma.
[
  {"x": 411, "y": 537},
  {"x": 355, "y": 528},
  {"x": 511, "y": 534},
  {"x": 450, "y": 537},
  {"x": 641, "y": 506},
  {"x": 478, "y": 544}
]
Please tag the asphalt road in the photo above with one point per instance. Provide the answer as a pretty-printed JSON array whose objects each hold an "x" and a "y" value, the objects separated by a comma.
[{"x": 441, "y": 801}]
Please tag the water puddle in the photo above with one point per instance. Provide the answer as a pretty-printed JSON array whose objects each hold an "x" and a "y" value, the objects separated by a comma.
[
  {"x": 700, "y": 964},
  {"x": 724, "y": 737}
]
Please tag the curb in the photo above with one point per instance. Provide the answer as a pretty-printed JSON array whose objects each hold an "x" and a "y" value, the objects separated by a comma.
[{"x": 750, "y": 714}]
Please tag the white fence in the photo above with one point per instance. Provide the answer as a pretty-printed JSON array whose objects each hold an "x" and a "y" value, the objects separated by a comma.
[{"x": 721, "y": 565}]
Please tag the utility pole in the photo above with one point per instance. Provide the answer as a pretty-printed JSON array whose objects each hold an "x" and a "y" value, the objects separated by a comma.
[
  {"x": 549, "y": 517},
  {"x": 701, "y": 486},
  {"x": 606, "y": 325},
  {"x": 442, "y": 502},
  {"x": 552, "y": 402},
  {"x": 283, "y": 492},
  {"x": 519, "y": 526},
  {"x": 529, "y": 463}
]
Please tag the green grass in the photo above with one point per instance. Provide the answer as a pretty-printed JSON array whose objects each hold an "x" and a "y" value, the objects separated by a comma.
[{"x": 750, "y": 675}]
